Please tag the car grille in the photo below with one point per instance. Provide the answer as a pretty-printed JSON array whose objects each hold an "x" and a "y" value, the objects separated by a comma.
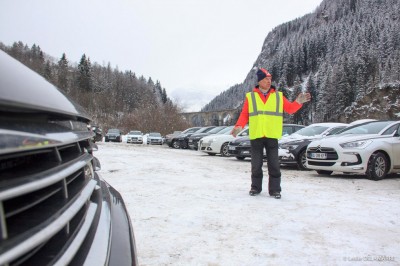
[{"x": 48, "y": 202}]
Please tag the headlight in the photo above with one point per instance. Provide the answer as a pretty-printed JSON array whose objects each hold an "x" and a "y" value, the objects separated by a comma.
[
  {"x": 355, "y": 144},
  {"x": 289, "y": 147},
  {"x": 245, "y": 143}
]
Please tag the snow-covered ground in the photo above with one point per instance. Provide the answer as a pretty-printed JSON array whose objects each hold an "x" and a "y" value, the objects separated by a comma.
[{"x": 189, "y": 208}]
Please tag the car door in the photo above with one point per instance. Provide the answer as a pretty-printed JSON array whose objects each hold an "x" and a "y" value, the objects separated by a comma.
[{"x": 396, "y": 149}]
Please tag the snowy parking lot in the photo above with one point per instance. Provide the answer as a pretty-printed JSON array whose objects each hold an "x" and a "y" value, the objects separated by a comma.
[{"x": 188, "y": 208}]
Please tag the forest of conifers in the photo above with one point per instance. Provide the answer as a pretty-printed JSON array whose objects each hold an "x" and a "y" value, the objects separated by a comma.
[
  {"x": 346, "y": 54},
  {"x": 339, "y": 53},
  {"x": 113, "y": 99}
]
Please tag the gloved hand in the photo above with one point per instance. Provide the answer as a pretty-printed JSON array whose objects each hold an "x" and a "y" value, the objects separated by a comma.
[
  {"x": 303, "y": 97},
  {"x": 236, "y": 130}
]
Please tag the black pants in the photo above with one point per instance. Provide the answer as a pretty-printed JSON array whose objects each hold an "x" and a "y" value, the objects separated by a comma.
[{"x": 274, "y": 171}]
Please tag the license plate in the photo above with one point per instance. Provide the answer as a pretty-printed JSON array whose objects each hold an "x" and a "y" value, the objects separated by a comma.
[
  {"x": 231, "y": 148},
  {"x": 318, "y": 155}
]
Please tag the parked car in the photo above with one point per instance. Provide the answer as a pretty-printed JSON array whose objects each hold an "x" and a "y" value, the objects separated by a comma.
[
  {"x": 55, "y": 207},
  {"x": 292, "y": 149},
  {"x": 218, "y": 143},
  {"x": 154, "y": 138},
  {"x": 169, "y": 137},
  {"x": 240, "y": 147},
  {"x": 98, "y": 133},
  {"x": 180, "y": 141},
  {"x": 134, "y": 136},
  {"x": 371, "y": 149},
  {"x": 113, "y": 134},
  {"x": 194, "y": 139}
]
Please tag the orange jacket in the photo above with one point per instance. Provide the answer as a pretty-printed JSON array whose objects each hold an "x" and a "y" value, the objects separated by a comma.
[{"x": 288, "y": 107}]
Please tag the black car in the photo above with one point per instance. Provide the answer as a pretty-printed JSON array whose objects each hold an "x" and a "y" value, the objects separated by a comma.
[
  {"x": 169, "y": 137},
  {"x": 194, "y": 139},
  {"x": 180, "y": 141},
  {"x": 113, "y": 134},
  {"x": 55, "y": 209},
  {"x": 240, "y": 147},
  {"x": 292, "y": 151}
]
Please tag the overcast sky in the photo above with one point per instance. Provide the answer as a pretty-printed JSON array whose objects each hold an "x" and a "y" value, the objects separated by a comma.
[{"x": 195, "y": 48}]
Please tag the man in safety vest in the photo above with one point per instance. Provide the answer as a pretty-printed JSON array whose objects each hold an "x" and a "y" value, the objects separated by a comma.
[{"x": 263, "y": 109}]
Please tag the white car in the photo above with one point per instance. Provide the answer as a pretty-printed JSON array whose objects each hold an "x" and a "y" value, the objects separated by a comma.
[
  {"x": 372, "y": 149},
  {"x": 154, "y": 138},
  {"x": 134, "y": 136},
  {"x": 218, "y": 143}
]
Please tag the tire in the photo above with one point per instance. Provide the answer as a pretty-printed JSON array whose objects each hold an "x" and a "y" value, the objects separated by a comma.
[
  {"x": 225, "y": 150},
  {"x": 106, "y": 140},
  {"x": 240, "y": 158},
  {"x": 378, "y": 166},
  {"x": 324, "y": 172},
  {"x": 301, "y": 160},
  {"x": 175, "y": 145}
]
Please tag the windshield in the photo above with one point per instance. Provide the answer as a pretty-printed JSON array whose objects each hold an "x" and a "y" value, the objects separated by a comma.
[
  {"x": 113, "y": 131},
  {"x": 311, "y": 131},
  {"x": 216, "y": 130},
  {"x": 155, "y": 135},
  {"x": 135, "y": 133},
  {"x": 369, "y": 128},
  {"x": 226, "y": 130}
]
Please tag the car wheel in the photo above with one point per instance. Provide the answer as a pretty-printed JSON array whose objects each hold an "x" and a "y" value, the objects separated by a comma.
[
  {"x": 175, "y": 145},
  {"x": 211, "y": 154},
  {"x": 225, "y": 150},
  {"x": 106, "y": 140},
  {"x": 302, "y": 160},
  {"x": 378, "y": 166},
  {"x": 240, "y": 158},
  {"x": 324, "y": 172}
]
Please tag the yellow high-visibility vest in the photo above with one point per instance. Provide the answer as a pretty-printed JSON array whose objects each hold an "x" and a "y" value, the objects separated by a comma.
[{"x": 265, "y": 119}]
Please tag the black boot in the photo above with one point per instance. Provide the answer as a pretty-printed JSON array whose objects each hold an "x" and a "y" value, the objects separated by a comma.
[
  {"x": 276, "y": 195},
  {"x": 254, "y": 192}
]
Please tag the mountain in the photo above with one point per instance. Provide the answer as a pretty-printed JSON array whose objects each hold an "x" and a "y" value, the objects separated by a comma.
[{"x": 340, "y": 53}]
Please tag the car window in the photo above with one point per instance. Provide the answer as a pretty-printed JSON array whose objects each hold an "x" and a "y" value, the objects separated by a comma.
[
  {"x": 335, "y": 130},
  {"x": 312, "y": 130},
  {"x": 391, "y": 130},
  {"x": 369, "y": 128},
  {"x": 155, "y": 135},
  {"x": 287, "y": 130}
]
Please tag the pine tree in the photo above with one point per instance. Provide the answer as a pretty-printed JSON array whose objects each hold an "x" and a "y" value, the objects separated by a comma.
[{"x": 62, "y": 73}]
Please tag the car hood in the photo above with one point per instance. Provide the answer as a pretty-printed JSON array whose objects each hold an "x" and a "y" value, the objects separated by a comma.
[
  {"x": 327, "y": 141},
  {"x": 42, "y": 96},
  {"x": 296, "y": 137}
]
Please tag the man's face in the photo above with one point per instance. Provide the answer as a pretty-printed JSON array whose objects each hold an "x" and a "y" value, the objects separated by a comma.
[{"x": 265, "y": 83}]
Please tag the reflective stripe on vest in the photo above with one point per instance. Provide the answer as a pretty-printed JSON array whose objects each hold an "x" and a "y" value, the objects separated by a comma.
[
  {"x": 256, "y": 112},
  {"x": 265, "y": 119}
]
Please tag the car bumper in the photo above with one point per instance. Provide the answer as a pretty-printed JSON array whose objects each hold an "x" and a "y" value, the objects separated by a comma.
[
  {"x": 239, "y": 151},
  {"x": 351, "y": 161},
  {"x": 286, "y": 157},
  {"x": 134, "y": 141},
  {"x": 193, "y": 144}
]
